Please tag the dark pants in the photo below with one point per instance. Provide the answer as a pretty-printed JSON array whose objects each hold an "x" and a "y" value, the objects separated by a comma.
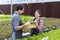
[
  {"x": 18, "y": 34},
  {"x": 34, "y": 31}
]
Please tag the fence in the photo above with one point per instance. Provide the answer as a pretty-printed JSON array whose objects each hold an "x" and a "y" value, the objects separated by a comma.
[{"x": 49, "y": 9}]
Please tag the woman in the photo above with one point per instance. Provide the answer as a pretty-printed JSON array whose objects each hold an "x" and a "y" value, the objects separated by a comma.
[{"x": 39, "y": 23}]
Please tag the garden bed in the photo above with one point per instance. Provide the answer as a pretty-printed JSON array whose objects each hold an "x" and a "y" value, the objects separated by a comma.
[
  {"x": 6, "y": 29},
  {"x": 52, "y": 35}
]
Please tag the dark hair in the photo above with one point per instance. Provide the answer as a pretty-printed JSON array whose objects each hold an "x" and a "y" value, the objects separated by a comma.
[
  {"x": 38, "y": 11},
  {"x": 19, "y": 7}
]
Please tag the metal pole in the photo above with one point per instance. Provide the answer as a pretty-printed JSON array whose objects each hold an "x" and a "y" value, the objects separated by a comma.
[
  {"x": 42, "y": 1},
  {"x": 11, "y": 7},
  {"x": 27, "y": 2}
]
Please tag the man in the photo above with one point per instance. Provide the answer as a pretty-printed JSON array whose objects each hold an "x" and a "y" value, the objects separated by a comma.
[{"x": 17, "y": 23}]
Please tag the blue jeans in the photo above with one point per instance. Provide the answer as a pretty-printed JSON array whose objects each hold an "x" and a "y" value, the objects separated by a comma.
[
  {"x": 13, "y": 36},
  {"x": 17, "y": 35}
]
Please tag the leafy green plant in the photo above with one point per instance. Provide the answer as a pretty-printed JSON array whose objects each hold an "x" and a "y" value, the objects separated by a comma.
[
  {"x": 52, "y": 35},
  {"x": 6, "y": 29}
]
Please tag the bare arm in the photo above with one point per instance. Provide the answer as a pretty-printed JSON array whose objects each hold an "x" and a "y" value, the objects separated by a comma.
[{"x": 20, "y": 27}]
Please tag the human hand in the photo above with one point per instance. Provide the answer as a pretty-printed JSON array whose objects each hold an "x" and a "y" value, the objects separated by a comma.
[{"x": 27, "y": 23}]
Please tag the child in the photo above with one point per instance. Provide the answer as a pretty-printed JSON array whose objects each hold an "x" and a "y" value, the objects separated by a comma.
[{"x": 38, "y": 22}]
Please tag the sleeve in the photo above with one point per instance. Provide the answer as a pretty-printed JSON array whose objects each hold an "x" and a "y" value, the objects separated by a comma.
[
  {"x": 41, "y": 22},
  {"x": 15, "y": 22}
]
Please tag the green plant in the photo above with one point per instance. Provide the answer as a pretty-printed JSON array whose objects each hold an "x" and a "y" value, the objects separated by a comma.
[
  {"x": 6, "y": 29},
  {"x": 52, "y": 35}
]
